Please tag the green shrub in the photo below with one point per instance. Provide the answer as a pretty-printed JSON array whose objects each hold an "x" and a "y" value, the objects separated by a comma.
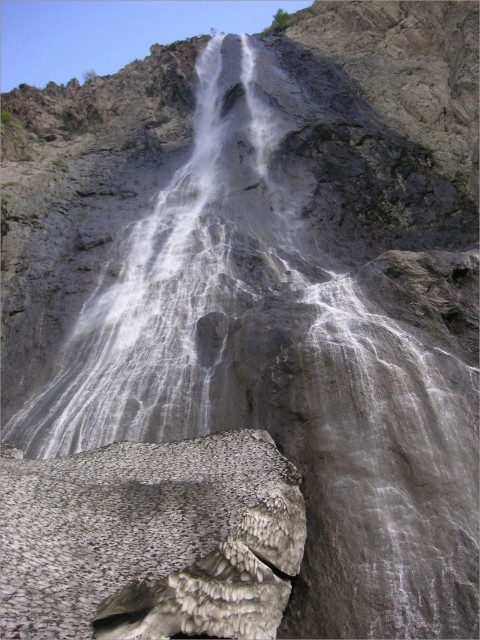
[
  {"x": 6, "y": 117},
  {"x": 281, "y": 20}
]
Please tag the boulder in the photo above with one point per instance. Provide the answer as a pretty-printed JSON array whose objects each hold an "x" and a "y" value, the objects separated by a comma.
[{"x": 195, "y": 537}]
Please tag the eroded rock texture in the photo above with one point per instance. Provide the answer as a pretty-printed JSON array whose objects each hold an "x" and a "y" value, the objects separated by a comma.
[
  {"x": 183, "y": 530},
  {"x": 417, "y": 63}
]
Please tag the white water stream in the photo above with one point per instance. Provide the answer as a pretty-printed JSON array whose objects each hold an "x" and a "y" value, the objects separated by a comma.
[
  {"x": 130, "y": 367},
  {"x": 397, "y": 414}
]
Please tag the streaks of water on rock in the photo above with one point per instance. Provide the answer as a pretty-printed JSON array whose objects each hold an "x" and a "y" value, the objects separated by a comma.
[
  {"x": 391, "y": 406},
  {"x": 392, "y": 489}
]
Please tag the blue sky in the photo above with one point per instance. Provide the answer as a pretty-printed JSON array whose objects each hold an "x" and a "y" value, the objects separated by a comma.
[{"x": 59, "y": 40}]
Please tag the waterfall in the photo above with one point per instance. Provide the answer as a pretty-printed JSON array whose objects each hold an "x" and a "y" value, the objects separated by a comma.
[
  {"x": 381, "y": 411},
  {"x": 130, "y": 369},
  {"x": 264, "y": 131},
  {"x": 394, "y": 413}
]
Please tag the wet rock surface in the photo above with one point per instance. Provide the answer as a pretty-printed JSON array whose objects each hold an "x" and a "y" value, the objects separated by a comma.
[
  {"x": 373, "y": 189},
  {"x": 78, "y": 164},
  {"x": 55, "y": 244},
  {"x": 142, "y": 525},
  {"x": 435, "y": 292}
]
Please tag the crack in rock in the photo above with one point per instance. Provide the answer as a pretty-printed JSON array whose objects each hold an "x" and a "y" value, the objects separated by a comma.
[{"x": 231, "y": 592}]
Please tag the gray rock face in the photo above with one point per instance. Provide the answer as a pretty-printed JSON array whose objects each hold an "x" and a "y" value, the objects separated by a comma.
[
  {"x": 181, "y": 531},
  {"x": 55, "y": 241},
  {"x": 417, "y": 64},
  {"x": 78, "y": 164},
  {"x": 110, "y": 107},
  {"x": 326, "y": 291},
  {"x": 433, "y": 291},
  {"x": 385, "y": 401}
]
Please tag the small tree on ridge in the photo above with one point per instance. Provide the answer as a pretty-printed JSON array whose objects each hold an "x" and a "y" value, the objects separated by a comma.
[{"x": 281, "y": 20}]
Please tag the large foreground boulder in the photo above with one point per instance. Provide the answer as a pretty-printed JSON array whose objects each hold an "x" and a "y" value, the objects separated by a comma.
[{"x": 151, "y": 540}]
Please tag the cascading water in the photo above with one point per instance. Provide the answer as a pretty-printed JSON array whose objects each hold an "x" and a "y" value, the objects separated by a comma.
[
  {"x": 130, "y": 368},
  {"x": 382, "y": 411},
  {"x": 264, "y": 131},
  {"x": 395, "y": 414}
]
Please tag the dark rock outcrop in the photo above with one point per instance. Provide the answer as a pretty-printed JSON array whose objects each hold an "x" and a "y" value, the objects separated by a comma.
[{"x": 435, "y": 292}]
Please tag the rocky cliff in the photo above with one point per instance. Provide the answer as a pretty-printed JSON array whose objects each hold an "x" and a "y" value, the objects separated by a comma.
[
  {"x": 417, "y": 64},
  {"x": 328, "y": 294},
  {"x": 68, "y": 152}
]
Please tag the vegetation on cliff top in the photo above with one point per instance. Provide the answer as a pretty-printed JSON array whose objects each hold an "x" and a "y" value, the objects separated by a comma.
[
  {"x": 281, "y": 20},
  {"x": 6, "y": 117}
]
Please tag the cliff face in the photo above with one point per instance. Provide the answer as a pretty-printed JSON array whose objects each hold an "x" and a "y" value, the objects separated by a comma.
[
  {"x": 416, "y": 63},
  {"x": 78, "y": 163},
  {"x": 328, "y": 293},
  {"x": 71, "y": 152}
]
